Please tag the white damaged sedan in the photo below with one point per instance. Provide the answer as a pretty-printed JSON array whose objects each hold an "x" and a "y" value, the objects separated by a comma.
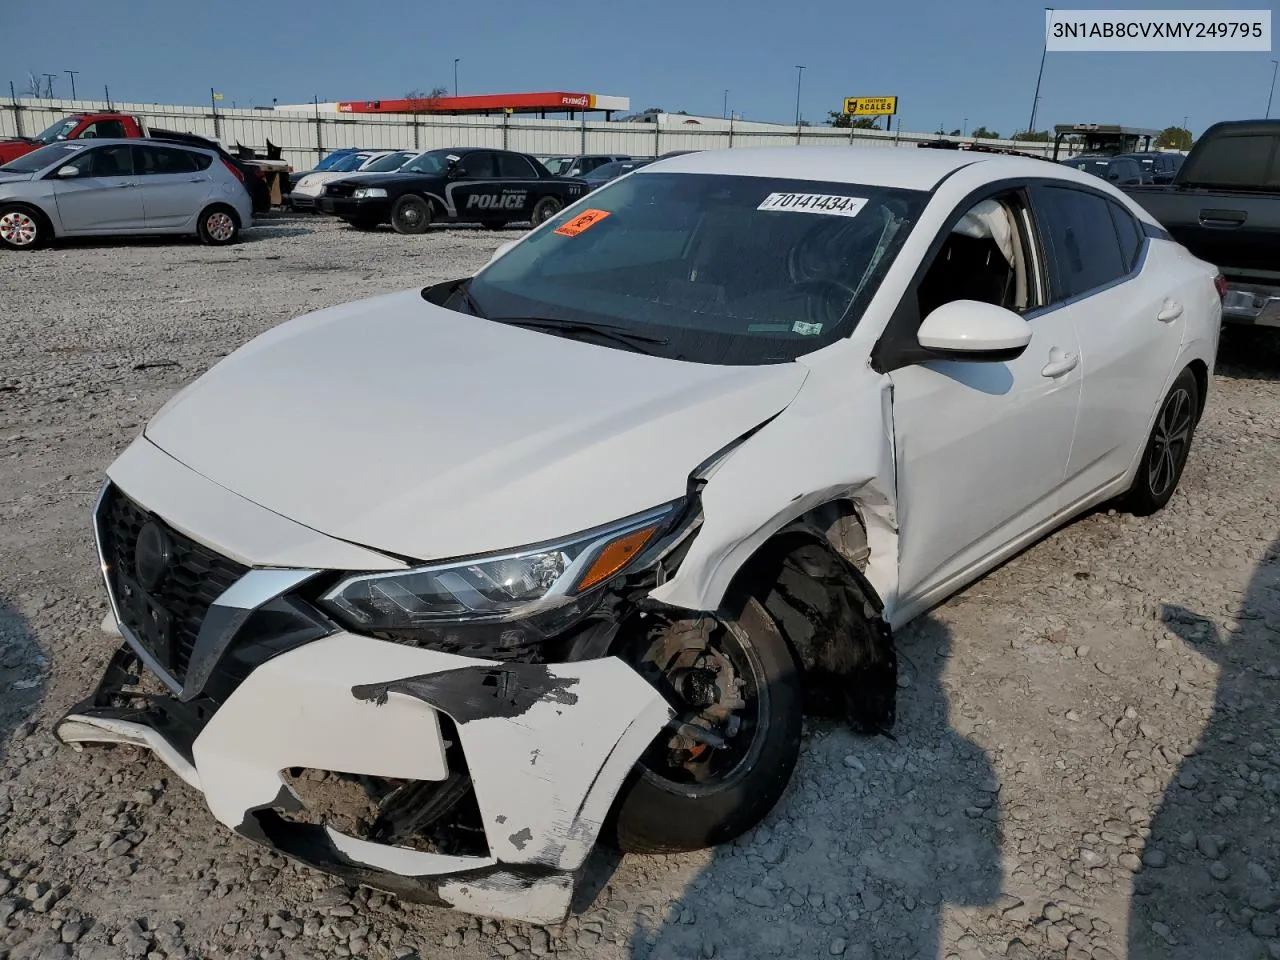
[{"x": 446, "y": 585}]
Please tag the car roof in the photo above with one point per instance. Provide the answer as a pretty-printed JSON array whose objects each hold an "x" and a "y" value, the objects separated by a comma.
[{"x": 909, "y": 168}]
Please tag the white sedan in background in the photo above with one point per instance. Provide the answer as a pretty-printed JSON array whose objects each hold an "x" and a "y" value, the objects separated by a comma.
[
  {"x": 309, "y": 188},
  {"x": 566, "y": 550}
]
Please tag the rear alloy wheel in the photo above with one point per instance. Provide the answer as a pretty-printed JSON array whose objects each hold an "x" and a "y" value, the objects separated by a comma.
[
  {"x": 411, "y": 215},
  {"x": 219, "y": 226},
  {"x": 21, "y": 228},
  {"x": 544, "y": 210},
  {"x": 1167, "y": 448},
  {"x": 721, "y": 765}
]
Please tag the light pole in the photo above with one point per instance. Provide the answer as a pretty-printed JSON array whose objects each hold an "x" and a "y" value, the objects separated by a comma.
[
  {"x": 1031, "y": 126},
  {"x": 1274, "y": 68},
  {"x": 49, "y": 79},
  {"x": 455, "y": 75},
  {"x": 725, "y": 115},
  {"x": 799, "y": 74},
  {"x": 73, "y": 81},
  {"x": 965, "y": 132}
]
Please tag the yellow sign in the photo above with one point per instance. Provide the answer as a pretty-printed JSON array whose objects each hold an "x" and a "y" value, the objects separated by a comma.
[
  {"x": 871, "y": 106},
  {"x": 217, "y": 96}
]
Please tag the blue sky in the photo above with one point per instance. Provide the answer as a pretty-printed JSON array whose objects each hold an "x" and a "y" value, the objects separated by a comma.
[{"x": 946, "y": 61}]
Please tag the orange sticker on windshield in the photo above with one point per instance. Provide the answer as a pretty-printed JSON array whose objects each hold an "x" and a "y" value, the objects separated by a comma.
[{"x": 583, "y": 221}]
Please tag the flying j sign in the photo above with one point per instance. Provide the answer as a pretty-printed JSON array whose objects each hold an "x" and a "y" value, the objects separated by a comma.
[{"x": 871, "y": 106}]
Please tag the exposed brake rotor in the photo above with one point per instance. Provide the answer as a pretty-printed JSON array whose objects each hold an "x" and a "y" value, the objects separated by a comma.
[{"x": 685, "y": 662}]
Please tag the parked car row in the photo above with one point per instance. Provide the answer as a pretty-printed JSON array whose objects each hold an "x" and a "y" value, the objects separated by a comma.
[
  {"x": 1130, "y": 169},
  {"x": 466, "y": 185}
]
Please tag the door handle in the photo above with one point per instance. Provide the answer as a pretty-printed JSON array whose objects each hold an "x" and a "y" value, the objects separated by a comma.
[
  {"x": 1172, "y": 311},
  {"x": 1211, "y": 217},
  {"x": 1059, "y": 363},
  {"x": 126, "y": 184}
]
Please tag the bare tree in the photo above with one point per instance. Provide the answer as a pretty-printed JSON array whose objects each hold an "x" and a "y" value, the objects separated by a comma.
[
  {"x": 35, "y": 84},
  {"x": 425, "y": 99}
]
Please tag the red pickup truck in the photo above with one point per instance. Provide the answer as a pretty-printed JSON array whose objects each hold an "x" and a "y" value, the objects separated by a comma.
[
  {"x": 113, "y": 125},
  {"x": 72, "y": 128}
]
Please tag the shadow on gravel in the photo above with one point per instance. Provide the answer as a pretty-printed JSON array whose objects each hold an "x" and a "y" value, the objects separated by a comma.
[
  {"x": 21, "y": 677},
  {"x": 1247, "y": 353},
  {"x": 1210, "y": 882},
  {"x": 872, "y": 840}
]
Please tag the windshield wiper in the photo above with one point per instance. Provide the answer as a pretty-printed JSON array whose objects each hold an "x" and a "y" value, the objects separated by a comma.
[{"x": 630, "y": 338}]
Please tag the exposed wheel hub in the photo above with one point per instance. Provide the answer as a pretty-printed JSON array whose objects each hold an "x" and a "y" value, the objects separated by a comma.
[{"x": 692, "y": 663}]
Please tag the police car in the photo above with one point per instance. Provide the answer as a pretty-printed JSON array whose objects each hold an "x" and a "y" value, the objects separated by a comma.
[{"x": 472, "y": 185}]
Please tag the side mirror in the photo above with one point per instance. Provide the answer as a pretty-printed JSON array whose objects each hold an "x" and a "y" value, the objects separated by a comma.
[
  {"x": 501, "y": 250},
  {"x": 68, "y": 171},
  {"x": 454, "y": 171},
  {"x": 974, "y": 331}
]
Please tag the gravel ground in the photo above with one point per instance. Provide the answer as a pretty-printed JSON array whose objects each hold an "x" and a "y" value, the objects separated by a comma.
[{"x": 1086, "y": 764}]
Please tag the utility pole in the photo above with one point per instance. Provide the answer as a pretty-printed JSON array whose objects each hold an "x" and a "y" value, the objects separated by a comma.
[
  {"x": 455, "y": 75},
  {"x": 725, "y": 115},
  {"x": 799, "y": 75},
  {"x": 1031, "y": 126},
  {"x": 964, "y": 132},
  {"x": 73, "y": 81},
  {"x": 1274, "y": 68},
  {"x": 49, "y": 77}
]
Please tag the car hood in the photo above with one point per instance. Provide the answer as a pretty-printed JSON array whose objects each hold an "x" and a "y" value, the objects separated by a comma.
[
  {"x": 6, "y": 177},
  {"x": 398, "y": 425}
]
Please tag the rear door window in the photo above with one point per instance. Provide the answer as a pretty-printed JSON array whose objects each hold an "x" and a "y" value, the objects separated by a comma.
[
  {"x": 1129, "y": 234},
  {"x": 104, "y": 130},
  {"x": 1081, "y": 236},
  {"x": 152, "y": 161},
  {"x": 512, "y": 166}
]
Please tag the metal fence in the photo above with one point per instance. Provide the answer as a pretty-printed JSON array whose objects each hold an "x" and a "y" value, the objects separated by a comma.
[{"x": 306, "y": 136}]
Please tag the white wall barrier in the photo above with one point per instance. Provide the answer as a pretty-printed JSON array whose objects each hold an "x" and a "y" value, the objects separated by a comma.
[{"x": 306, "y": 136}]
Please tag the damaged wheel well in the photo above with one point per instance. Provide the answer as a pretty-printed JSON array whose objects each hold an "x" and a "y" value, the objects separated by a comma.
[{"x": 808, "y": 577}]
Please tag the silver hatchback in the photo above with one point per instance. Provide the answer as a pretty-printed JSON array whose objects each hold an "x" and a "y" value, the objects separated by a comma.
[{"x": 105, "y": 187}]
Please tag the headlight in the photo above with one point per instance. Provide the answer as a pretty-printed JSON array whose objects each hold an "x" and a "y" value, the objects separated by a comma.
[
  {"x": 506, "y": 586},
  {"x": 362, "y": 193}
]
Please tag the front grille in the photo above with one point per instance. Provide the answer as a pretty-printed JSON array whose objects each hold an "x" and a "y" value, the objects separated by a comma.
[
  {"x": 166, "y": 618},
  {"x": 338, "y": 190}
]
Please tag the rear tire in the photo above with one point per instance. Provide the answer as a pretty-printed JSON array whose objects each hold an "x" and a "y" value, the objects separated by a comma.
[
  {"x": 660, "y": 811},
  {"x": 411, "y": 215},
  {"x": 1168, "y": 447},
  {"x": 23, "y": 227},
  {"x": 544, "y": 210},
  {"x": 218, "y": 225}
]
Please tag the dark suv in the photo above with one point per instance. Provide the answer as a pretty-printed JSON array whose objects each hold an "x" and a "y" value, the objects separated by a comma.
[{"x": 1122, "y": 171}]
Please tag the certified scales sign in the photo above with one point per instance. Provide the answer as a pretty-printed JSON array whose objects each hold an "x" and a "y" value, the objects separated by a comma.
[{"x": 871, "y": 106}]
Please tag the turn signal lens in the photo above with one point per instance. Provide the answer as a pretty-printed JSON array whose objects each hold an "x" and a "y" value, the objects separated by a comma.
[
  {"x": 1221, "y": 283},
  {"x": 616, "y": 556}
]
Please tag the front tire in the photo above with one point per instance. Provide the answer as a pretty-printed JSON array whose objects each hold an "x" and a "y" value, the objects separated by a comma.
[
  {"x": 1168, "y": 447},
  {"x": 218, "y": 226},
  {"x": 684, "y": 794},
  {"x": 544, "y": 210},
  {"x": 23, "y": 228},
  {"x": 411, "y": 215}
]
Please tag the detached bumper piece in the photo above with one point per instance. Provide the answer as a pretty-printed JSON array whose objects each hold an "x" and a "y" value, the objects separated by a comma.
[
  {"x": 1254, "y": 304},
  {"x": 442, "y": 779}
]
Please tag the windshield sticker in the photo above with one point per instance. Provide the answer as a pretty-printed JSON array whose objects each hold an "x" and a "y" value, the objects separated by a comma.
[
  {"x": 806, "y": 329},
  {"x": 583, "y": 221},
  {"x": 830, "y": 204}
]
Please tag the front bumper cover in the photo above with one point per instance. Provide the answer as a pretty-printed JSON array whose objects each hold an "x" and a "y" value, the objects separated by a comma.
[{"x": 547, "y": 748}]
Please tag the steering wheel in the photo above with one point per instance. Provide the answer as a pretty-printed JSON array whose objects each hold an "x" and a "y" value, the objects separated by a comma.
[{"x": 826, "y": 300}]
